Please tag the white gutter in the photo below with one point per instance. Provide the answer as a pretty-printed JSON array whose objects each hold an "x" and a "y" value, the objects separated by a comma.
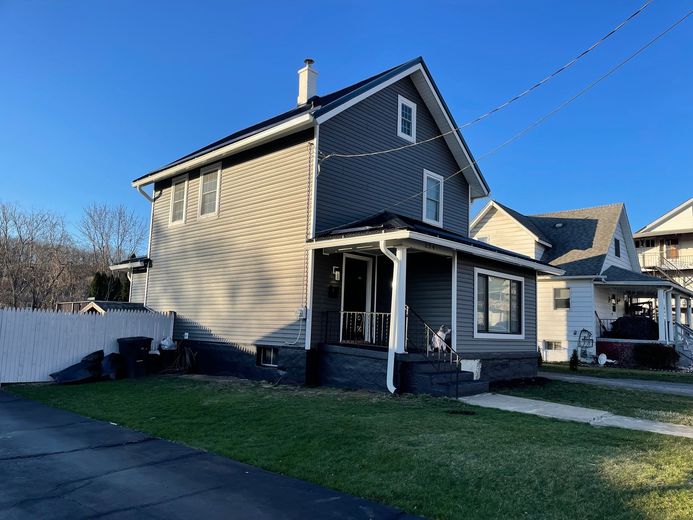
[
  {"x": 449, "y": 244},
  {"x": 300, "y": 122},
  {"x": 145, "y": 194},
  {"x": 392, "y": 344}
]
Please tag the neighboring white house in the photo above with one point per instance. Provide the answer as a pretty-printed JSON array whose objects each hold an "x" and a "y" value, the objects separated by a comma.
[
  {"x": 665, "y": 246},
  {"x": 602, "y": 280}
]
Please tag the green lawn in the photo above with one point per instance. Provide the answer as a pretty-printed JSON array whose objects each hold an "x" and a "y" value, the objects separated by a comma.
[
  {"x": 621, "y": 373},
  {"x": 430, "y": 456},
  {"x": 633, "y": 403}
]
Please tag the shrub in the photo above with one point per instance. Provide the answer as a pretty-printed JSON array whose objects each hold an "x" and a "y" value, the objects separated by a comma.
[
  {"x": 651, "y": 355},
  {"x": 574, "y": 361}
]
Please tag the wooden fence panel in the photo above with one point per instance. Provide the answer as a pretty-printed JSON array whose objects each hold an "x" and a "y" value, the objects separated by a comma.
[{"x": 36, "y": 343}]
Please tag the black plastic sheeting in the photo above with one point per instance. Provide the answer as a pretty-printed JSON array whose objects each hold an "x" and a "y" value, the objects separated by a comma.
[{"x": 92, "y": 367}]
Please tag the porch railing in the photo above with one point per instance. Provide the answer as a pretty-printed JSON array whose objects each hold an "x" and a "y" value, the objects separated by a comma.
[
  {"x": 666, "y": 262},
  {"x": 367, "y": 328}
]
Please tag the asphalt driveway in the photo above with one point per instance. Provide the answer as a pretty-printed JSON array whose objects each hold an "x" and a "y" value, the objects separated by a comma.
[{"x": 56, "y": 464}]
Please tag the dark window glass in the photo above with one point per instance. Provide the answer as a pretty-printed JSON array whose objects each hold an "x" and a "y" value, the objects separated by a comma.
[{"x": 499, "y": 305}]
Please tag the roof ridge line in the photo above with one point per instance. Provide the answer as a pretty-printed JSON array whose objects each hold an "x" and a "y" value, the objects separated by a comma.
[{"x": 576, "y": 209}]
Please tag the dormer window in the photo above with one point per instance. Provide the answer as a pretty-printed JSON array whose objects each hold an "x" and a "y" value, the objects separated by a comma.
[
  {"x": 433, "y": 198},
  {"x": 406, "y": 119}
]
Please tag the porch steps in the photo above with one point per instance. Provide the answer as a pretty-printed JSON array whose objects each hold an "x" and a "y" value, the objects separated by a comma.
[{"x": 424, "y": 377}]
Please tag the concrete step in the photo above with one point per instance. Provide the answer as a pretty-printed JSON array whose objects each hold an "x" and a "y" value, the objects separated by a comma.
[{"x": 448, "y": 390}]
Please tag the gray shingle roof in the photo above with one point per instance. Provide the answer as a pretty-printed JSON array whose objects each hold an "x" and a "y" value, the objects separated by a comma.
[
  {"x": 579, "y": 238},
  {"x": 618, "y": 274},
  {"x": 318, "y": 105}
]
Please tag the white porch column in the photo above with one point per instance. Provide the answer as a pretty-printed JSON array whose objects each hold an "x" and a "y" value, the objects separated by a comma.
[
  {"x": 662, "y": 314},
  {"x": 670, "y": 318},
  {"x": 677, "y": 307},
  {"x": 399, "y": 299},
  {"x": 689, "y": 312}
]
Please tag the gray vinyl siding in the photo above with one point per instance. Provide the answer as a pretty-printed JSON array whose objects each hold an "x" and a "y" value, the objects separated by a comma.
[
  {"x": 137, "y": 287},
  {"x": 237, "y": 277},
  {"x": 355, "y": 188},
  {"x": 466, "y": 309},
  {"x": 322, "y": 301},
  {"x": 429, "y": 282}
]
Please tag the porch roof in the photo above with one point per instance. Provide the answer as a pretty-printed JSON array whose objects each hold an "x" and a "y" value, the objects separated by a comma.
[
  {"x": 391, "y": 226},
  {"x": 623, "y": 277}
]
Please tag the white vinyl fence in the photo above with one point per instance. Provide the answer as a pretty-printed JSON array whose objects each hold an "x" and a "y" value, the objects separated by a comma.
[{"x": 36, "y": 343}]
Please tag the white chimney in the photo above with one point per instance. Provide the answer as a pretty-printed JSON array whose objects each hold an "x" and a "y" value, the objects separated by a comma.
[{"x": 307, "y": 82}]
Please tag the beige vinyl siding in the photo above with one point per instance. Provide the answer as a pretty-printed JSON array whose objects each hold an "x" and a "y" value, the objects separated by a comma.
[
  {"x": 681, "y": 220},
  {"x": 237, "y": 276},
  {"x": 611, "y": 259},
  {"x": 564, "y": 325},
  {"x": 466, "y": 309},
  {"x": 504, "y": 231},
  {"x": 137, "y": 287}
]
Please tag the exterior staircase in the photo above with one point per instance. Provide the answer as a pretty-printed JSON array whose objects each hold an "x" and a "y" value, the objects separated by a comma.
[
  {"x": 683, "y": 343},
  {"x": 669, "y": 271},
  {"x": 433, "y": 366}
]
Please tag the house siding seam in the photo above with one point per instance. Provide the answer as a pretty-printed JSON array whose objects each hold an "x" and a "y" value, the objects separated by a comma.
[
  {"x": 137, "y": 286},
  {"x": 466, "y": 309},
  {"x": 349, "y": 189},
  {"x": 238, "y": 277},
  {"x": 564, "y": 325}
]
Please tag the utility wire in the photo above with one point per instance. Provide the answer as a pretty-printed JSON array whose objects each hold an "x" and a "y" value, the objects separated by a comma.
[
  {"x": 555, "y": 110},
  {"x": 509, "y": 101}
]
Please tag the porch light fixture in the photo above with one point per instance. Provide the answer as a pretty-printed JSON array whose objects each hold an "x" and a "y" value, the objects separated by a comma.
[{"x": 613, "y": 301}]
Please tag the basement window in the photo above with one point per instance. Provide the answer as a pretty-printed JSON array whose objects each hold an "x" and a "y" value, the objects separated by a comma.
[
  {"x": 553, "y": 345},
  {"x": 406, "y": 119},
  {"x": 267, "y": 356}
]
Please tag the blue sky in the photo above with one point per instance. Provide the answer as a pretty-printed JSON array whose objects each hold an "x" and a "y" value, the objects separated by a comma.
[{"x": 95, "y": 94}]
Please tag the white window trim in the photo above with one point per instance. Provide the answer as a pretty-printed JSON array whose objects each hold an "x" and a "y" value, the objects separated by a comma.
[
  {"x": 274, "y": 357},
  {"x": 208, "y": 169},
  {"x": 441, "y": 179},
  {"x": 401, "y": 100},
  {"x": 498, "y": 335},
  {"x": 570, "y": 296},
  {"x": 181, "y": 179}
]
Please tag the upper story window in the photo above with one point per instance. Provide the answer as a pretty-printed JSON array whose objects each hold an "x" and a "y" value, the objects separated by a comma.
[
  {"x": 433, "y": 198},
  {"x": 561, "y": 298},
  {"x": 179, "y": 194},
  {"x": 209, "y": 190},
  {"x": 617, "y": 247},
  {"x": 499, "y": 305},
  {"x": 644, "y": 243},
  {"x": 406, "y": 119}
]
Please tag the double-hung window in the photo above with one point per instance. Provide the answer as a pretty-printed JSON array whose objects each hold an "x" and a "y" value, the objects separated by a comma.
[
  {"x": 179, "y": 192},
  {"x": 561, "y": 298},
  {"x": 406, "y": 119},
  {"x": 433, "y": 198},
  {"x": 209, "y": 190},
  {"x": 499, "y": 305}
]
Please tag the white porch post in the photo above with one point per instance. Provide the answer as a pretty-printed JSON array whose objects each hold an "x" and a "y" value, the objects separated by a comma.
[
  {"x": 670, "y": 318},
  {"x": 399, "y": 295},
  {"x": 662, "y": 314},
  {"x": 677, "y": 306},
  {"x": 689, "y": 312}
]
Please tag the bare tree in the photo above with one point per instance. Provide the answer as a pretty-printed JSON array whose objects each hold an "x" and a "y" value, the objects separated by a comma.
[
  {"x": 35, "y": 254},
  {"x": 111, "y": 234}
]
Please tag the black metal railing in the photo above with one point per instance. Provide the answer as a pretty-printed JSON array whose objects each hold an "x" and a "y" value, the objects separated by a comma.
[{"x": 366, "y": 328}]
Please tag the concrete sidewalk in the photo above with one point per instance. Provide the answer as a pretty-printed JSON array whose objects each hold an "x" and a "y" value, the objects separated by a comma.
[
  {"x": 660, "y": 387},
  {"x": 575, "y": 413},
  {"x": 56, "y": 464}
]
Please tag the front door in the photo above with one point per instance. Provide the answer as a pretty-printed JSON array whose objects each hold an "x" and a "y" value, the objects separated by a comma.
[{"x": 356, "y": 297}]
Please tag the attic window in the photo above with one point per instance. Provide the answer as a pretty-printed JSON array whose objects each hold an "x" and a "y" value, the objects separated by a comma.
[
  {"x": 617, "y": 247},
  {"x": 406, "y": 119}
]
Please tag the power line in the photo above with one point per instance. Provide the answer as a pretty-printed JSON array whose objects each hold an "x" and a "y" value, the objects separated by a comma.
[
  {"x": 507, "y": 102},
  {"x": 555, "y": 110}
]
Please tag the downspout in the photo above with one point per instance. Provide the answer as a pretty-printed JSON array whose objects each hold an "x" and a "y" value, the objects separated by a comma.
[
  {"x": 145, "y": 194},
  {"x": 393, "y": 327},
  {"x": 151, "y": 200}
]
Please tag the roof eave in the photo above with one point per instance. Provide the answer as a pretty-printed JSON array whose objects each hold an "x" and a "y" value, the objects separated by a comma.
[{"x": 293, "y": 125}]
